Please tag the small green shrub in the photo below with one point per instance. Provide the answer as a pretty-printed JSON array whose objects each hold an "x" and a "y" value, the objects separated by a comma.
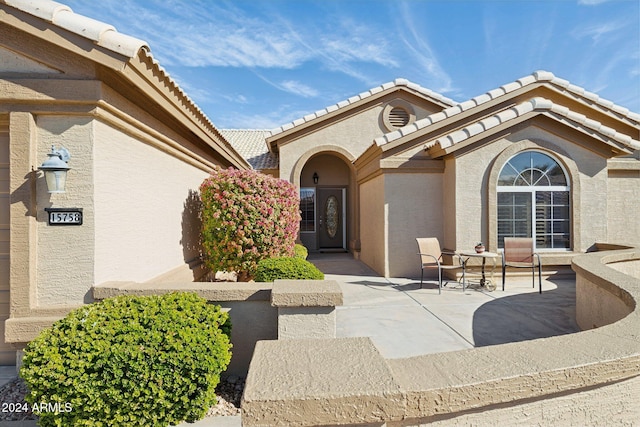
[
  {"x": 300, "y": 251},
  {"x": 130, "y": 360},
  {"x": 287, "y": 268}
]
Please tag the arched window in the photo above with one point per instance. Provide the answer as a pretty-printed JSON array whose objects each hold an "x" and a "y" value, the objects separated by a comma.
[{"x": 533, "y": 201}]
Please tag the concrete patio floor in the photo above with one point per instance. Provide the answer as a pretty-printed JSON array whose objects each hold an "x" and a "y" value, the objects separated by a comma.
[{"x": 405, "y": 320}]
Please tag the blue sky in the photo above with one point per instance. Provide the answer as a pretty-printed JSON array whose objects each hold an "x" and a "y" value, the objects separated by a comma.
[{"x": 260, "y": 64}]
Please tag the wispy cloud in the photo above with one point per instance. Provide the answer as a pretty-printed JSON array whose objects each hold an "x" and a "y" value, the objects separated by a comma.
[
  {"x": 597, "y": 31},
  {"x": 422, "y": 53},
  {"x": 298, "y": 88},
  {"x": 222, "y": 34},
  {"x": 591, "y": 2}
]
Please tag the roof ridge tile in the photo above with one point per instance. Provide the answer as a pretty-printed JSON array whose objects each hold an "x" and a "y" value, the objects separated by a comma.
[
  {"x": 363, "y": 95},
  {"x": 534, "y": 104},
  {"x": 535, "y": 77}
]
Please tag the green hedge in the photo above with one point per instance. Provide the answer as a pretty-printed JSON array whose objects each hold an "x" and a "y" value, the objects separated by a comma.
[
  {"x": 130, "y": 361},
  {"x": 287, "y": 268},
  {"x": 300, "y": 251}
]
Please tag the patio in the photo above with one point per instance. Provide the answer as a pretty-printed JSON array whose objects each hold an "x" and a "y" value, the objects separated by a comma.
[{"x": 404, "y": 320}]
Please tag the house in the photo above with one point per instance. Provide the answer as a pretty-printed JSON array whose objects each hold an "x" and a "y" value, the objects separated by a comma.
[
  {"x": 139, "y": 150},
  {"x": 538, "y": 157}
]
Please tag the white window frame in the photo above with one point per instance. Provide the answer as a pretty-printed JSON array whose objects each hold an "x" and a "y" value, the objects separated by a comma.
[{"x": 532, "y": 189}]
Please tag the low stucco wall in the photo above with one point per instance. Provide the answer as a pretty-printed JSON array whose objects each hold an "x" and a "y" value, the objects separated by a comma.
[
  {"x": 604, "y": 285},
  {"x": 285, "y": 309},
  {"x": 253, "y": 318},
  {"x": 347, "y": 382}
]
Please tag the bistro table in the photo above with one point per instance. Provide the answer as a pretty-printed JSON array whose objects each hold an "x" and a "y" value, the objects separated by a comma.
[{"x": 486, "y": 283}]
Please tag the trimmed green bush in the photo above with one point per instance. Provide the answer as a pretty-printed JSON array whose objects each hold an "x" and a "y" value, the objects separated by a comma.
[
  {"x": 287, "y": 268},
  {"x": 300, "y": 251},
  {"x": 130, "y": 361},
  {"x": 247, "y": 216}
]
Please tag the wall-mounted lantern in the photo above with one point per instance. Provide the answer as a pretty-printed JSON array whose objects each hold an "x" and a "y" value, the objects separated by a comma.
[
  {"x": 315, "y": 177},
  {"x": 55, "y": 169}
]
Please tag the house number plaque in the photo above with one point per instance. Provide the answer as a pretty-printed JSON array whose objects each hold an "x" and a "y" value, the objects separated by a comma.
[{"x": 64, "y": 216}]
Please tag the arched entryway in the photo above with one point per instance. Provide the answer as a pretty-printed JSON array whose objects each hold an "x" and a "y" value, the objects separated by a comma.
[{"x": 327, "y": 203}]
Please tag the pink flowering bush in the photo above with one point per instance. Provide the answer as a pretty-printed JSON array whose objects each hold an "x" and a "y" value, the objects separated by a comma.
[{"x": 246, "y": 217}]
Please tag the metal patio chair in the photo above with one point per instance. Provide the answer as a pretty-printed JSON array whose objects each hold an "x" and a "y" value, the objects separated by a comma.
[
  {"x": 431, "y": 257},
  {"x": 518, "y": 252}
]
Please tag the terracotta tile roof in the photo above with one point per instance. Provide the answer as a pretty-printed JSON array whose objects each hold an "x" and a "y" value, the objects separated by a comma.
[
  {"x": 342, "y": 104},
  {"x": 537, "y": 77},
  {"x": 106, "y": 36},
  {"x": 251, "y": 145},
  {"x": 560, "y": 112}
]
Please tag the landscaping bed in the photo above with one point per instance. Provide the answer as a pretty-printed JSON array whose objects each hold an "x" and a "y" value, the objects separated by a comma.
[{"x": 228, "y": 392}]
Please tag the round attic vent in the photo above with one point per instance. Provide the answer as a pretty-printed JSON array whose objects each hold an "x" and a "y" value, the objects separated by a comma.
[
  {"x": 397, "y": 113},
  {"x": 399, "y": 117}
]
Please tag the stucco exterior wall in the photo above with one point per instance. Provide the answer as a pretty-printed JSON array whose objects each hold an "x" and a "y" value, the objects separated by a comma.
[
  {"x": 414, "y": 210},
  {"x": 587, "y": 172},
  {"x": 65, "y": 254},
  {"x": 143, "y": 220},
  {"x": 623, "y": 203},
  {"x": 373, "y": 224},
  {"x": 609, "y": 405}
]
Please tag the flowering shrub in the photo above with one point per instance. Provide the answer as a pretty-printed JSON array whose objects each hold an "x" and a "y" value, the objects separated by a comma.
[{"x": 246, "y": 217}]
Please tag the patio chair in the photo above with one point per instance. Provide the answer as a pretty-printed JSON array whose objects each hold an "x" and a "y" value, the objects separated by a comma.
[
  {"x": 518, "y": 252},
  {"x": 431, "y": 257}
]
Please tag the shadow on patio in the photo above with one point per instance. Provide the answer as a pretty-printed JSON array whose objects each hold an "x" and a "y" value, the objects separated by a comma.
[{"x": 527, "y": 316}]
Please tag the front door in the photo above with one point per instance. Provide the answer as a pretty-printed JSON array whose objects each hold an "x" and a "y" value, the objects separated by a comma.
[{"x": 331, "y": 218}]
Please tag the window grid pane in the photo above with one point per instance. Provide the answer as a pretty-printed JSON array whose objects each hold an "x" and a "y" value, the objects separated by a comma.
[
  {"x": 307, "y": 210},
  {"x": 514, "y": 216}
]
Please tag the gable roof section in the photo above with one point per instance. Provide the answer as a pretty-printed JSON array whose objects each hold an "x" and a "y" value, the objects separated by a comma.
[
  {"x": 137, "y": 55},
  {"x": 354, "y": 101},
  {"x": 460, "y": 129},
  {"x": 455, "y": 140},
  {"x": 250, "y": 143}
]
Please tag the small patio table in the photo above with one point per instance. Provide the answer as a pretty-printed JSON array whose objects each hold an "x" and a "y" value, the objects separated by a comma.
[{"x": 488, "y": 284}]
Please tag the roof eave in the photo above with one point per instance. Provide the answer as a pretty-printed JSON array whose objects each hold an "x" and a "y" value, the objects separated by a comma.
[
  {"x": 351, "y": 104},
  {"x": 445, "y": 146}
]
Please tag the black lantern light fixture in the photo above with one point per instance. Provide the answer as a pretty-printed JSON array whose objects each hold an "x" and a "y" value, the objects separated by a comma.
[
  {"x": 55, "y": 169},
  {"x": 315, "y": 177}
]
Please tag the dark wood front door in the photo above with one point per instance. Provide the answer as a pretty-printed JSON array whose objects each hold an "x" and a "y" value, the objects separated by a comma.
[{"x": 331, "y": 218}]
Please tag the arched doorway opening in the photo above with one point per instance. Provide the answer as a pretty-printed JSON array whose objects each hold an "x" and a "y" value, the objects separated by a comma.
[{"x": 326, "y": 203}]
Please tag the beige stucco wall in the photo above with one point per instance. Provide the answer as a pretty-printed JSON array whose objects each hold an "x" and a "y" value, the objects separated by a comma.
[
  {"x": 140, "y": 217},
  {"x": 65, "y": 254},
  {"x": 623, "y": 199},
  {"x": 610, "y": 405},
  {"x": 414, "y": 209},
  {"x": 449, "y": 200},
  {"x": 373, "y": 223},
  {"x": 589, "y": 185}
]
